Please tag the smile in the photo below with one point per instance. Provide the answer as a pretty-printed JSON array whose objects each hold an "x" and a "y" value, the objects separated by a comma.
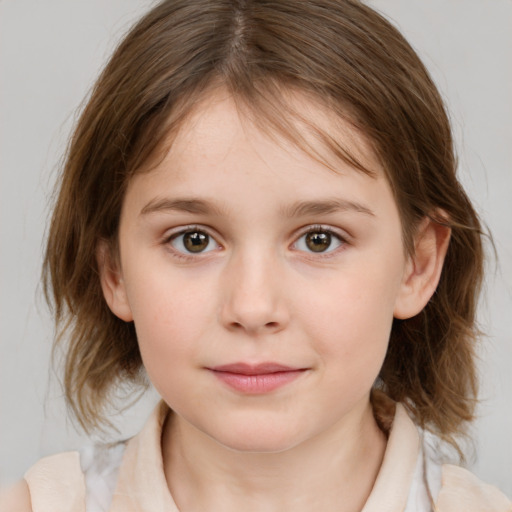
[{"x": 256, "y": 379}]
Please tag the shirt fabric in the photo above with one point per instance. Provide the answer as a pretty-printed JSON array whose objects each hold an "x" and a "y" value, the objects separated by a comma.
[{"x": 129, "y": 477}]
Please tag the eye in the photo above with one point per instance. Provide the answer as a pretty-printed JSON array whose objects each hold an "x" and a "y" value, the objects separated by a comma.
[
  {"x": 193, "y": 241},
  {"x": 319, "y": 240}
]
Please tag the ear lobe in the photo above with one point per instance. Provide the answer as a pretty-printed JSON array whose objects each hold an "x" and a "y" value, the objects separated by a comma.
[
  {"x": 112, "y": 282},
  {"x": 423, "y": 268}
]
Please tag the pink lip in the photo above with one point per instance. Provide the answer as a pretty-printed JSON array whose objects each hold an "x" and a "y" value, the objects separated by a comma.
[{"x": 256, "y": 379}]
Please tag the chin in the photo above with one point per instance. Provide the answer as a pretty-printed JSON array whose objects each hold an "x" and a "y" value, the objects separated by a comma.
[
  {"x": 257, "y": 438},
  {"x": 258, "y": 445}
]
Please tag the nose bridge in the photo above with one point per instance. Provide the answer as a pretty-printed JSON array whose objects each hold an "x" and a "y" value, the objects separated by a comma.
[{"x": 254, "y": 297}]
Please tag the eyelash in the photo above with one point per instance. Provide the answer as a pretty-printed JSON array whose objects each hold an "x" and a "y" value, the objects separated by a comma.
[
  {"x": 334, "y": 234},
  {"x": 189, "y": 256}
]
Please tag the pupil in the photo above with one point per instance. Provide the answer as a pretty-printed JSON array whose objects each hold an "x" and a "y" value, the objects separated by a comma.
[
  {"x": 195, "y": 241},
  {"x": 318, "y": 242}
]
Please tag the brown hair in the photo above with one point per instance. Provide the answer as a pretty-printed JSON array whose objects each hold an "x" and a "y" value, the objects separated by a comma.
[{"x": 345, "y": 56}]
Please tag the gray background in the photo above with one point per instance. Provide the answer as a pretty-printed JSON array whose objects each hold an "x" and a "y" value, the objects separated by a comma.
[{"x": 50, "y": 54}]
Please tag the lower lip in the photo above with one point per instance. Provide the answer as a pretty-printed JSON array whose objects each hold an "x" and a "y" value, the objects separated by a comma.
[{"x": 258, "y": 384}]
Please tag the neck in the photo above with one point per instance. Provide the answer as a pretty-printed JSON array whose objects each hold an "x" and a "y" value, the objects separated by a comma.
[{"x": 334, "y": 471}]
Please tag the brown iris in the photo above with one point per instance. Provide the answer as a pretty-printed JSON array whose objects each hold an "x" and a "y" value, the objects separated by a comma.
[
  {"x": 195, "y": 241},
  {"x": 318, "y": 241}
]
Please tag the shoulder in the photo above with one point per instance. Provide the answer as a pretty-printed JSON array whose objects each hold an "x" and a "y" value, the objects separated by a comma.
[
  {"x": 16, "y": 498},
  {"x": 462, "y": 490},
  {"x": 57, "y": 483},
  {"x": 451, "y": 488},
  {"x": 67, "y": 482}
]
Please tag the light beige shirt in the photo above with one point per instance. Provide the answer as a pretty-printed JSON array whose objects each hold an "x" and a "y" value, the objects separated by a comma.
[{"x": 58, "y": 483}]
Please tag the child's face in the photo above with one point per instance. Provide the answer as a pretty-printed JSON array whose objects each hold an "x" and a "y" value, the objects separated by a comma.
[{"x": 240, "y": 250}]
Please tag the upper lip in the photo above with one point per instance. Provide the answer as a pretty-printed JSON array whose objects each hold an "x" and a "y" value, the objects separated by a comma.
[{"x": 254, "y": 369}]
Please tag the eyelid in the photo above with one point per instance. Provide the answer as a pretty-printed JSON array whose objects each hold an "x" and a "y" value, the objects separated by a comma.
[
  {"x": 342, "y": 236},
  {"x": 179, "y": 230},
  {"x": 168, "y": 238}
]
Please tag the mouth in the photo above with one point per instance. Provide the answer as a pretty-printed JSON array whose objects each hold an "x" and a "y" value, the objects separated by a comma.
[{"x": 256, "y": 379}]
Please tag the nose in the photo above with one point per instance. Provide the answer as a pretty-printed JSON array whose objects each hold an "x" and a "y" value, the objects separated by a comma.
[{"x": 253, "y": 296}]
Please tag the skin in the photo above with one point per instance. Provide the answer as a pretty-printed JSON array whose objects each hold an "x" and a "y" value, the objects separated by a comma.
[
  {"x": 259, "y": 293},
  {"x": 16, "y": 498}
]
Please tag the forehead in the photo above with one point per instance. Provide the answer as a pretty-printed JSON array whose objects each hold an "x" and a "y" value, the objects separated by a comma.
[
  {"x": 293, "y": 119},
  {"x": 223, "y": 154}
]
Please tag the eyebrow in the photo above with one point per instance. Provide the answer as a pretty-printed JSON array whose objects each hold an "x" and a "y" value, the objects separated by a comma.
[
  {"x": 299, "y": 209},
  {"x": 304, "y": 208},
  {"x": 197, "y": 206}
]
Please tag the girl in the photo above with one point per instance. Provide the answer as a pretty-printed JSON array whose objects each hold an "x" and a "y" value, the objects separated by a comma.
[{"x": 259, "y": 211}]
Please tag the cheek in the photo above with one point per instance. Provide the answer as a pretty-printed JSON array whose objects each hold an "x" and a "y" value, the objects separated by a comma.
[
  {"x": 167, "y": 333},
  {"x": 351, "y": 320},
  {"x": 170, "y": 316}
]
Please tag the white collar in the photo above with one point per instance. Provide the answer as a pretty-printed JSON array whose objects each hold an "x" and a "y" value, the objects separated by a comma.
[{"x": 142, "y": 486}]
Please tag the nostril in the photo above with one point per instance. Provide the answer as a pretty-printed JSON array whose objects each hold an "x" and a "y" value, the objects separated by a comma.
[{"x": 271, "y": 326}]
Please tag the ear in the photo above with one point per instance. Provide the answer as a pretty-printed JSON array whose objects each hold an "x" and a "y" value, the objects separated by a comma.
[
  {"x": 423, "y": 268},
  {"x": 112, "y": 282}
]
